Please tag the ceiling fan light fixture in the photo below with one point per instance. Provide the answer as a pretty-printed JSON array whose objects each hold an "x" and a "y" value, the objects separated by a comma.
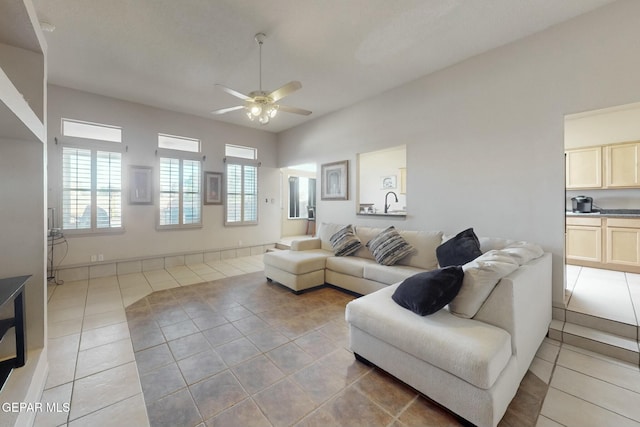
[{"x": 255, "y": 110}]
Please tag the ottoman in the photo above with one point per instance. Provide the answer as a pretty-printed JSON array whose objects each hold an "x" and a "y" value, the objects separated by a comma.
[{"x": 297, "y": 270}]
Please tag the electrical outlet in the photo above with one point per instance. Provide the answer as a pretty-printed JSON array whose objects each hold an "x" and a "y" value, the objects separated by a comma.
[
  {"x": 239, "y": 242},
  {"x": 100, "y": 257},
  {"x": 94, "y": 258}
]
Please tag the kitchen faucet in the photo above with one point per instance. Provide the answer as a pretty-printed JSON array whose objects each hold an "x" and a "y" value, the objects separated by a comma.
[{"x": 386, "y": 206}]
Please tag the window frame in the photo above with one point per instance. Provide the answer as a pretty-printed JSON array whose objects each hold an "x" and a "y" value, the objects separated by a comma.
[
  {"x": 93, "y": 146},
  {"x": 181, "y": 156}
]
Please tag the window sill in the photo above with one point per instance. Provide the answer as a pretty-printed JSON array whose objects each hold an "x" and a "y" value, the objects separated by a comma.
[
  {"x": 91, "y": 233},
  {"x": 178, "y": 227}
]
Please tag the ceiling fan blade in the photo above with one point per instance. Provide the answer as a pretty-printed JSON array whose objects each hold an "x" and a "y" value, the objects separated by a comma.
[
  {"x": 293, "y": 110},
  {"x": 285, "y": 90},
  {"x": 226, "y": 110},
  {"x": 233, "y": 92}
]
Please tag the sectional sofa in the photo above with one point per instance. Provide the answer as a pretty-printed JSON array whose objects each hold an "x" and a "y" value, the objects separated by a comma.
[{"x": 469, "y": 356}]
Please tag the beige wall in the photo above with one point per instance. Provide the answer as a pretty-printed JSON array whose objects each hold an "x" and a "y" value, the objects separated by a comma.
[
  {"x": 22, "y": 249},
  {"x": 608, "y": 126},
  {"x": 141, "y": 124},
  {"x": 485, "y": 137}
]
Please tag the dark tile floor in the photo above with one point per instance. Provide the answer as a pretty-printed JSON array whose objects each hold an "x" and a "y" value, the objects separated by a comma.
[{"x": 244, "y": 352}]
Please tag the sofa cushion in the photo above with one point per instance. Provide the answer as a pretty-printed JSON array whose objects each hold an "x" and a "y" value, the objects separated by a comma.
[
  {"x": 389, "y": 274},
  {"x": 459, "y": 250},
  {"x": 353, "y": 266},
  {"x": 389, "y": 247},
  {"x": 365, "y": 234},
  {"x": 425, "y": 244},
  {"x": 297, "y": 262},
  {"x": 425, "y": 293},
  {"x": 480, "y": 277},
  {"x": 469, "y": 349},
  {"x": 345, "y": 242}
]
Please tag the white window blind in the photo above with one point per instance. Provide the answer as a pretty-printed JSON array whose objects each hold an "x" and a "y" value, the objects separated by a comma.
[
  {"x": 108, "y": 189},
  {"x": 91, "y": 189},
  {"x": 180, "y": 195},
  {"x": 242, "y": 194}
]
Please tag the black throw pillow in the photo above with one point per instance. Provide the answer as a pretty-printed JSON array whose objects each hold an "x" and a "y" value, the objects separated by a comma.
[
  {"x": 461, "y": 249},
  {"x": 425, "y": 293}
]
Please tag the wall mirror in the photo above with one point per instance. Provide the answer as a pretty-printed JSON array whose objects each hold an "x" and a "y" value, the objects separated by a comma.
[
  {"x": 382, "y": 182},
  {"x": 301, "y": 191}
]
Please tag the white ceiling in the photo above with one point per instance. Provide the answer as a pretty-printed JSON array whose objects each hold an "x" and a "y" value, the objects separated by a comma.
[{"x": 169, "y": 53}]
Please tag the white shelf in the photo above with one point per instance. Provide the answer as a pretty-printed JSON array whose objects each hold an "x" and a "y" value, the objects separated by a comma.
[
  {"x": 17, "y": 119},
  {"x": 22, "y": 68}
]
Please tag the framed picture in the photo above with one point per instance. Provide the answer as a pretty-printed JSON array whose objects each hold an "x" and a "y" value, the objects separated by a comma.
[
  {"x": 212, "y": 188},
  {"x": 141, "y": 185},
  {"x": 335, "y": 181},
  {"x": 389, "y": 182}
]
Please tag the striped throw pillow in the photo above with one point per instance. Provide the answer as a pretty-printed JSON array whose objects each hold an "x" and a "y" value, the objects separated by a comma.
[
  {"x": 345, "y": 242},
  {"x": 389, "y": 247}
]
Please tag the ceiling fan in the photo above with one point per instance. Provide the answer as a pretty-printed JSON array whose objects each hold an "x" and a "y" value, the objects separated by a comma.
[{"x": 260, "y": 105}]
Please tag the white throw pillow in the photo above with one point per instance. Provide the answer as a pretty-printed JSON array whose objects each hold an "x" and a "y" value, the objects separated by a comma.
[
  {"x": 480, "y": 277},
  {"x": 493, "y": 243},
  {"x": 523, "y": 252}
]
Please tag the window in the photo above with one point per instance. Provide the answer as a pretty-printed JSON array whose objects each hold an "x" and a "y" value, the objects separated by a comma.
[
  {"x": 178, "y": 143},
  {"x": 242, "y": 185},
  {"x": 91, "y": 189},
  {"x": 240, "y": 152},
  {"x": 180, "y": 183},
  {"x": 180, "y": 200},
  {"x": 97, "y": 131}
]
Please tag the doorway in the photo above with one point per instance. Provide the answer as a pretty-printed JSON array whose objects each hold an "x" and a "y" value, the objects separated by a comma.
[{"x": 602, "y": 247}]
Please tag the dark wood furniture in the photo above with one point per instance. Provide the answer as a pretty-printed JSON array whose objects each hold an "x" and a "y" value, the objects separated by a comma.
[{"x": 12, "y": 289}]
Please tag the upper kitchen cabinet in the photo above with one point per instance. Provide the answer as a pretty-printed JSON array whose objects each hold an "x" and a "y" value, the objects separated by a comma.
[
  {"x": 22, "y": 73},
  {"x": 621, "y": 165},
  {"x": 584, "y": 168}
]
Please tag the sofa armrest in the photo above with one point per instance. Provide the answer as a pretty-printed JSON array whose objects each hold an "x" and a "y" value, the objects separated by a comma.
[
  {"x": 305, "y": 244},
  {"x": 521, "y": 304}
]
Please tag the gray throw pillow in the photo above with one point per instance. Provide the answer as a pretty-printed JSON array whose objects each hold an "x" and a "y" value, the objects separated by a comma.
[
  {"x": 345, "y": 242},
  {"x": 389, "y": 247}
]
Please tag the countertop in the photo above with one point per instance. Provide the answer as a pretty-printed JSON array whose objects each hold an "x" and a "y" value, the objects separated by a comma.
[{"x": 624, "y": 213}]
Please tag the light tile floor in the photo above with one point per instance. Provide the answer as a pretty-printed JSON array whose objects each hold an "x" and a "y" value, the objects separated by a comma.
[
  {"x": 91, "y": 359},
  {"x": 612, "y": 295},
  {"x": 91, "y": 363}
]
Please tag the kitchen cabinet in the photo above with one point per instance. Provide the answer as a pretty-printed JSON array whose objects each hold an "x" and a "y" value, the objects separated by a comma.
[
  {"x": 623, "y": 241},
  {"x": 584, "y": 239},
  {"x": 621, "y": 165},
  {"x": 584, "y": 168}
]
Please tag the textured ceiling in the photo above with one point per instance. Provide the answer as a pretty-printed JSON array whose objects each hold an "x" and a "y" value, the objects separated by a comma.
[{"x": 169, "y": 53}]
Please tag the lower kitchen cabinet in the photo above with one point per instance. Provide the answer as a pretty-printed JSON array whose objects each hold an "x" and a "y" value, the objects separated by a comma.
[
  {"x": 623, "y": 241},
  {"x": 610, "y": 243},
  {"x": 584, "y": 239}
]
